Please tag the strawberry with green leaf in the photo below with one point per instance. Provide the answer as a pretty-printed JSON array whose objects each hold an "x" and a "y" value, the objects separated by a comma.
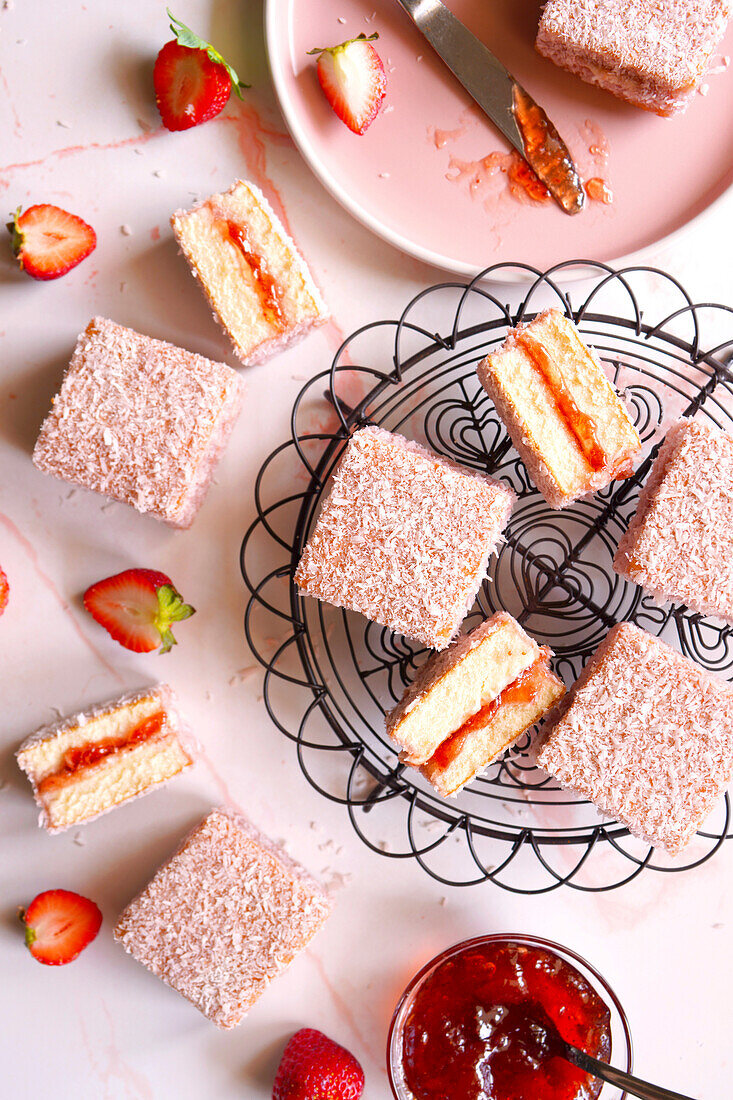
[
  {"x": 192, "y": 80},
  {"x": 138, "y": 608}
]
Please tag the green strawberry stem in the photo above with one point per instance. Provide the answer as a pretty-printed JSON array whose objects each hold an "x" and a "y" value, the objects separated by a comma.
[
  {"x": 171, "y": 609},
  {"x": 15, "y": 231},
  {"x": 186, "y": 37},
  {"x": 342, "y": 46}
]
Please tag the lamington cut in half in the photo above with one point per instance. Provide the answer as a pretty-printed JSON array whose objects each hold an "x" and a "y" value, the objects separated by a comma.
[
  {"x": 679, "y": 545},
  {"x": 647, "y": 736},
  {"x": 404, "y": 537},
  {"x": 140, "y": 421},
  {"x": 652, "y": 53},
  {"x": 85, "y": 765},
  {"x": 564, "y": 417},
  {"x": 471, "y": 702},
  {"x": 256, "y": 281},
  {"x": 223, "y": 917}
]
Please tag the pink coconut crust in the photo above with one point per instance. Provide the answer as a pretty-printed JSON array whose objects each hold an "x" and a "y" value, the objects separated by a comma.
[
  {"x": 223, "y": 917},
  {"x": 141, "y": 421},
  {"x": 679, "y": 544},
  {"x": 652, "y": 53},
  {"x": 404, "y": 537},
  {"x": 646, "y": 735},
  {"x": 174, "y": 722}
]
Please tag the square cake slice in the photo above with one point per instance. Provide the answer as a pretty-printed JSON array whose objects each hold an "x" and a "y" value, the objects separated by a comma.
[
  {"x": 85, "y": 765},
  {"x": 647, "y": 736},
  {"x": 452, "y": 686},
  {"x": 141, "y": 421},
  {"x": 257, "y": 283},
  {"x": 679, "y": 544},
  {"x": 564, "y": 417},
  {"x": 223, "y": 917},
  {"x": 404, "y": 537},
  {"x": 652, "y": 53},
  {"x": 495, "y": 727}
]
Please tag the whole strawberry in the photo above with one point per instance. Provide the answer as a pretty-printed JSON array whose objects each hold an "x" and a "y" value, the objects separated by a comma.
[
  {"x": 192, "y": 80},
  {"x": 49, "y": 241},
  {"x": 353, "y": 80},
  {"x": 4, "y": 591},
  {"x": 59, "y": 925},
  {"x": 313, "y": 1067},
  {"x": 137, "y": 607}
]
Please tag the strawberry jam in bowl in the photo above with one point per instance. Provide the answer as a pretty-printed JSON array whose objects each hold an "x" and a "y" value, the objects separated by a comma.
[{"x": 469, "y": 1026}]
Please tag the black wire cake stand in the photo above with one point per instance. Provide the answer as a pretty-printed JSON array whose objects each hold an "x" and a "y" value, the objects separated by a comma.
[{"x": 331, "y": 674}]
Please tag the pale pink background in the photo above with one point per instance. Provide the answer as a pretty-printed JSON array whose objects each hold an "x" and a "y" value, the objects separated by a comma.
[{"x": 79, "y": 128}]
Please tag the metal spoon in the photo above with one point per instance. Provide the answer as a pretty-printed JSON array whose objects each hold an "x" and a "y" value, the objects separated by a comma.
[{"x": 546, "y": 1041}]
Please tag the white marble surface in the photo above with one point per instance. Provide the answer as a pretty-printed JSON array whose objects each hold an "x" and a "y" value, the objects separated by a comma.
[{"x": 78, "y": 126}]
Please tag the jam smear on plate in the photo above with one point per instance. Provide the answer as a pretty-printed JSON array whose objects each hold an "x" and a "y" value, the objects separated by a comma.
[{"x": 474, "y": 1030}]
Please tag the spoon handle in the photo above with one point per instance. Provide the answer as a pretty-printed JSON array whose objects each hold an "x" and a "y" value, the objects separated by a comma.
[{"x": 617, "y": 1077}]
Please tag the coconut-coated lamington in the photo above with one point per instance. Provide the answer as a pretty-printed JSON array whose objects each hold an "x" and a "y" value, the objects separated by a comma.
[
  {"x": 141, "y": 421},
  {"x": 652, "y": 53},
  {"x": 256, "y": 281},
  {"x": 404, "y": 537},
  {"x": 679, "y": 544},
  {"x": 646, "y": 735},
  {"x": 469, "y": 703},
  {"x": 84, "y": 765},
  {"x": 223, "y": 917},
  {"x": 564, "y": 417}
]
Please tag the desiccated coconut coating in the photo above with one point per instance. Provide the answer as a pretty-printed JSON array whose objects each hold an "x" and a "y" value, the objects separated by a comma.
[
  {"x": 404, "y": 537},
  {"x": 679, "y": 545},
  {"x": 140, "y": 420},
  {"x": 647, "y": 736},
  {"x": 652, "y": 53},
  {"x": 223, "y": 917}
]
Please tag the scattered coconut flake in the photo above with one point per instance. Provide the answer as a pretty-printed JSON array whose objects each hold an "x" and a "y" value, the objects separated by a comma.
[
  {"x": 419, "y": 57},
  {"x": 144, "y": 125},
  {"x": 79, "y": 839},
  {"x": 341, "y": 19},
  {"x": 62, "y": 122},
  {"x": 126, "y": 230},
  {"x": 442, "y": 901},
  {"x": 384, "y": 175},
  {"x": 703, "y": 89},
  {"x": 388, "y": 109},
  {"x": 160, "y": 173}
]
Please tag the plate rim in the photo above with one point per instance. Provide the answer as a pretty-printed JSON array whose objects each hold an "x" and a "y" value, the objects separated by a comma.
[{"x": 274, "y": 10}]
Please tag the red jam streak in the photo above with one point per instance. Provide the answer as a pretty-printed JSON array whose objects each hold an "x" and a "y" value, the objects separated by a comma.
[
  {"x": 267, "y": 288},
  {"x": 522, "y": 180},
  {"x": 523, "y": 690},
  {"x": 471, "y": 1033},
  {"x": 598, "y": 190},
  {"x": 86, "y": 756},
  {"x": 546, "y": 153}
]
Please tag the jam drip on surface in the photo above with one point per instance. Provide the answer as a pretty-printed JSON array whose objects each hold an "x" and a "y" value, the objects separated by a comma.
[
  {"x": 522, "y": 690},
  {"x": 546, "y": 152},
  {"x": 475, "y": 1032},
  {"x": 598, "y": 190},
  {"x": 86, "y": 756},
  {"x": 267, "y": 288}
]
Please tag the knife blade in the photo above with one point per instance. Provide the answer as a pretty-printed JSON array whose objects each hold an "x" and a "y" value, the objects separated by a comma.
[{"x": 509, "y": 106}]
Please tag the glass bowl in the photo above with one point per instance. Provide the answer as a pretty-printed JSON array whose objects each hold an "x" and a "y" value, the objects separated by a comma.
[{"x": 621, "y": 1045}]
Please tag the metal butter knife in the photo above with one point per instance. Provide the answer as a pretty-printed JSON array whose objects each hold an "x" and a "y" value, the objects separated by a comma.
[{"x": 512, "y": 109}]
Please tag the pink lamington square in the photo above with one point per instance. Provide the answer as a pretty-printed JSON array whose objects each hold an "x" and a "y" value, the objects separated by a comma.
[
  {"x": 223, "y": 917},
  {"x": 679, "y": 545},
  {"x": 140, "y": 420},
  {"x": 404, "y": 537},
  {"x": 646, "y": 735},
  {"x": 652, "y": 53}
]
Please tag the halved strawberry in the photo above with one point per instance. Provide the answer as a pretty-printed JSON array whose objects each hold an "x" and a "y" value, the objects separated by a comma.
[
  {"x": 4, "y": 591},
  {"x": 59, "y": 925},
  {"x": 353, "y": 79},
  {"x": 137, "y": 608},
  {"x": 49, "y": 241},
  {"x": 192, "y": 80},
  {"x": 313, "y": 1067}
]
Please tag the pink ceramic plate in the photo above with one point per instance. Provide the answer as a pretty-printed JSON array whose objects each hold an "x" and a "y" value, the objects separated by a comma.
[{"x": 423, "y": 176}]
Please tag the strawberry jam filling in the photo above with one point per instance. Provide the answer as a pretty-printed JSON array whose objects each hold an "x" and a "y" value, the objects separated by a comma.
[
  {"x": 523, "y": 690},
  {"x": 267, "y": 288},
  {"x": 472, "y": 1031},
  {"x": 86, "y": 756}
]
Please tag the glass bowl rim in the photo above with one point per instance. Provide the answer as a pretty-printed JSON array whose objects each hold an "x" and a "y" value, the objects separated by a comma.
[{"x": 523, "y": 938}]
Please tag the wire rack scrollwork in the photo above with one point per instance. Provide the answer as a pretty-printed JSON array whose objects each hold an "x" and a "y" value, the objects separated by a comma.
[{"x": 331, "y": 675}]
